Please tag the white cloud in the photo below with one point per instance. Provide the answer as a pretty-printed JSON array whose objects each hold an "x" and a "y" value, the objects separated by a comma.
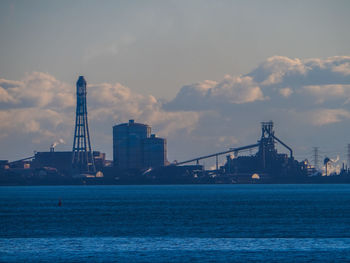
[
  {"x": 118, "y": 103},
  {"x": 42, "y": 110},
  {"x": 304, "y": 97},
  {"x": 307, "y": 98},
  {"x": 5, "y": 96},
  {"x": 41, "y": 125},
  {"x": 279, "y": 67},
  {"x": 322, "y": 117},
  {"x": 210, "y": 94},
  {"x": 236, "y": 90},
  {"x": 286, "y": 92},
  {"x": 284, "y": 72},
  {"x": 36, "y": 90},
  {"x": 327, "y": 92},
  {"x": 300, "y": 82},
  {"x": 343, "y": 68},
  {"x": 339, "y": 64}
]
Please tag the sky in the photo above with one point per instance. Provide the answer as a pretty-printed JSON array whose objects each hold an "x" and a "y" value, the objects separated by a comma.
[{"x": 203, "y": 74}]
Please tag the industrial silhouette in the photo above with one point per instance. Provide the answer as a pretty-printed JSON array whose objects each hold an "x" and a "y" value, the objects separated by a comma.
[
  {"x": 83, "y": 160},
  {"x": 140, "y": 157},
  {"x": 134, "y": 147}
]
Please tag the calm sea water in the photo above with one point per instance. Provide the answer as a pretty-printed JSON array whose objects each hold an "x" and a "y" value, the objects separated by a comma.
[{"x": 192, "y": 223}]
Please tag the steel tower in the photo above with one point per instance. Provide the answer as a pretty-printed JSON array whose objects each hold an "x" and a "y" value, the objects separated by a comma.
[{"x": 83, "y": 160}]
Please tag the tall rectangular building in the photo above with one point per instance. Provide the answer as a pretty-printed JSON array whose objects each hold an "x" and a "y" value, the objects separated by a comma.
[
  {"x": 135, "y": 148},
  {"x": 128, "y": 144},
  {"x": 154, "y": 152}
]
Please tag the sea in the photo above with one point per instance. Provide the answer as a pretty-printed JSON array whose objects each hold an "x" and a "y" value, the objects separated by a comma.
[{"x": 175, "y": 223}]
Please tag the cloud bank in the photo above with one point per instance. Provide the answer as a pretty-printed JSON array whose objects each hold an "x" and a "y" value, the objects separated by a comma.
[
  {"x": 279, "y": 83},
  {"x": 210, "y": 94},
  {"x": 308, "y": 100},
  {"x": 41, "y": 109}
]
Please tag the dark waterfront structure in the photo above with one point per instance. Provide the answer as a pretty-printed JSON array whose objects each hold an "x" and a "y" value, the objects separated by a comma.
[
  {"x": 154, "y": 151},
  {"x": 134, "y": 147},
  {"x": 128, "y": 144},
  {"x": 82, "y": 159},
  {"x": 266, "y": 165},
  {"x": 59, "y": 160},
  {"x": 63, "y": 160},
  {"x": 140, "y": 157},
  {"x": 4, "y": 164},
  {"x": 99, "y": 160}
]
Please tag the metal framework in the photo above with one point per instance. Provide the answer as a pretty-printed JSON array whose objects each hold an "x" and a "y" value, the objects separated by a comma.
[
  {"x": 268, "y": 137},
  {"x": 235, "y": 150},
  {"x": 83, "y": 160},
  {"x": 266, "y": 147}
]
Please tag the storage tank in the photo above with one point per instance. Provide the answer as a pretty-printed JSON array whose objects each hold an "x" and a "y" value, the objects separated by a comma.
[{"x": 128, "y": 144}]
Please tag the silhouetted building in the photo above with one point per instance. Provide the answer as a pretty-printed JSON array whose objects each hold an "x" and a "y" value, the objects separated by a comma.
[
  {"x": 154, "y": 151},
  {"x": 135, "y": 148},
  {"x": 267, "y": 161},
  {"x": 60, "y": 160},
  {"x": 99, "y": 159},
  {"x": 128, "y": 144},
  {"x": 4, "y": 164}
]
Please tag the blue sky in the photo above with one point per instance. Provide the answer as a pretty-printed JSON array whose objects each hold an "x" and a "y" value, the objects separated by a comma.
[
  {"x": 158, "y": 46},
  {"x": 145, "y": 56}
]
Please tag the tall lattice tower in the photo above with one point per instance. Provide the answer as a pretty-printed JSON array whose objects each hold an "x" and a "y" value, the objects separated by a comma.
[{"x": 83, "y": 160}]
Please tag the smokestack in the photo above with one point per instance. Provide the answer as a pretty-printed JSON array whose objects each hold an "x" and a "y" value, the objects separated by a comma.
[{"x": 52, "y": 148}]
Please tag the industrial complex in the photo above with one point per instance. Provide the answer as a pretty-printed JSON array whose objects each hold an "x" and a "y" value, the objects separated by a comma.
[{"x": 140, "y": 157}]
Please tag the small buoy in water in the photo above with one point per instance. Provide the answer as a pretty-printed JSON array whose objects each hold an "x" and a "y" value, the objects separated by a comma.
[{"x": 59, "y": 202}]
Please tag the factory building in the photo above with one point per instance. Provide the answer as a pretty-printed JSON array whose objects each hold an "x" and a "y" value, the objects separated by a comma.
[
  {"x": 60, "y": 160},
  {"x": 135, "y": 148},
  {"x": 99, "y": 160},
  {"x": 4, "y": 164},
  {"x": 154, "y": 151},
  {"x": 63, "y": 160}
]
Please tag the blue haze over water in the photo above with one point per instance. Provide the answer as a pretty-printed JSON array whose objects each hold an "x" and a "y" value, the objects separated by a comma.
[{"x": 192, "y": 223}]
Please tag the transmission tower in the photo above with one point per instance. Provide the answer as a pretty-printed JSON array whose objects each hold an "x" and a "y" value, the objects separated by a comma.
[
  {"x": 315, "y": 150},
  {"x": 83, "y": 160}
]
